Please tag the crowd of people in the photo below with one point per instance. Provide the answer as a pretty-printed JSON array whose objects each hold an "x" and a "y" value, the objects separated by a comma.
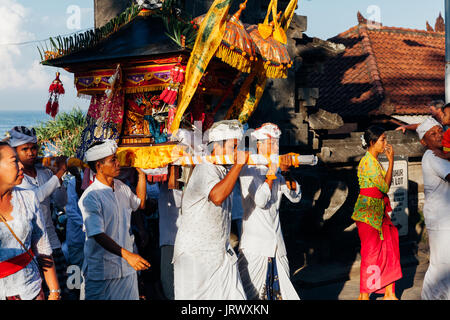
[{"x": 218, "y": 234}]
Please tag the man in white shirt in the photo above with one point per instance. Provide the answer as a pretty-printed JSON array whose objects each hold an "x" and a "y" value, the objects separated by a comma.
[
  {"x": 46, "y": 185},
  {"x": 436, "y": 178},
  {"x": 106, "y": 205},
  {"x": 205, "y": 265},
  {"x": 263, "y": 262}
]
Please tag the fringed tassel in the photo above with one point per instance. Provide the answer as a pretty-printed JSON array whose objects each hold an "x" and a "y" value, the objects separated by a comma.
[
  {"x": 48, "y": 107},
  {"x": 276, "y": 72},
  {"x": 145, "y": 89},
  {"x": 55, "y": 108},
  {"x": 84, "y": 96},
  {"x": 234, "y": 59},
  {"x": 56, "y": 89}
]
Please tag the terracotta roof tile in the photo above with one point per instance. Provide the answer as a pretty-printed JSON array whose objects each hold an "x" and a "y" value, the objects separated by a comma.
[{"x": 402, "y": 67}]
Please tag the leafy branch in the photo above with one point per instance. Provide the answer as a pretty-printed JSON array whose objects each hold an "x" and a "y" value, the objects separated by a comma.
[{"x": 63, "y": 134}]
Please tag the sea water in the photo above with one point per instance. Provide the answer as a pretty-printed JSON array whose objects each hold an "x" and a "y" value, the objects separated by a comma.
[{"x": 10, "y": 119}]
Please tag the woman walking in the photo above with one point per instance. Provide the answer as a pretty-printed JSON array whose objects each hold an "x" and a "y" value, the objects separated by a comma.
[
  {"x": 22, "y": 237},
  {"x": 380, "y": 253}
]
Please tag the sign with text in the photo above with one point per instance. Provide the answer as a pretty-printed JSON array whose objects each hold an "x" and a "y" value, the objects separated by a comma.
[{"x": 398, "y": 194}]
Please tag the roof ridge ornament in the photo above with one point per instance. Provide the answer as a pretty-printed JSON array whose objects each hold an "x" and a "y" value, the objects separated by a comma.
[
  {"x": 361, "y": 19},
  {"x": 440, "y": 24}
]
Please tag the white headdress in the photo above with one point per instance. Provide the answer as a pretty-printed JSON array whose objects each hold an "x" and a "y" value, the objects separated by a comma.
[
  {"x": 101, "y": 151},
  {"x": 266, "y": 131},
  {"x": 225, "y": 130},
  {"x": 21, "y": 135},
  {"x": 426, "y": 126}
]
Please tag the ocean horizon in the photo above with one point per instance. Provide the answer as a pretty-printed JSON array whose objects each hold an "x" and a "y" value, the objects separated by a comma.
[{"x": 28, "y": 118}]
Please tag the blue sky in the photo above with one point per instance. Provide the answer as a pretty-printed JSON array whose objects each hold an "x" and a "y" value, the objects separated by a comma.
[
  {"x": 24, "y": 82},
  {"x": 327, "y": 18}
]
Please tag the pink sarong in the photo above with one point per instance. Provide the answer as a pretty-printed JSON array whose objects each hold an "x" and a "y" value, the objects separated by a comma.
[{"x": 380, "y": 259}]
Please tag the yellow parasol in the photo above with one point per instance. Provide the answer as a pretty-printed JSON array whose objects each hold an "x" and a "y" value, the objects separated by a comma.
[
  {"x": 274, "y": 54},
  {"x": 237, "y": 48}
]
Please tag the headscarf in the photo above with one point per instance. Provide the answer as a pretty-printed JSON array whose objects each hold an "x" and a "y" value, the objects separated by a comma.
[
  {"x": 428, "y": 124},
  {"x": 21, "y": 135},
  {"x": 266, "y": 131},
  {"x": 225, "y": 130},
  {"x": 101, "y": 151}
]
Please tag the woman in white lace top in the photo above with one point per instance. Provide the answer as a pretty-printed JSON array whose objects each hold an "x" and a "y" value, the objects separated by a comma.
[{"x": 22, "y": 227}]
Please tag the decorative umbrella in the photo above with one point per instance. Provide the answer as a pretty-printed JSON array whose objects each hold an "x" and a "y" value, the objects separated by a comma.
[
  {"x": 274, "y": 54},
  {"x": 237, "y": 47}
]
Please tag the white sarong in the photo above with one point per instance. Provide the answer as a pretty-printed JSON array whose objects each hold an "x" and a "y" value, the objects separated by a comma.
[
  {"x": 114, "y": 289},
  {"x": 253, "y": 271},
  {"x": 195, "y": 280},
  {"x": 436, "y": 284}
]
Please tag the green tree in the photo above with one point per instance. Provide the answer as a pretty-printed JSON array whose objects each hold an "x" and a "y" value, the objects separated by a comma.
[{"x": 62, "y": 136}]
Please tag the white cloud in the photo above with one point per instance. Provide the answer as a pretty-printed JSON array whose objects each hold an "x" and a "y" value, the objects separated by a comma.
[
  {"x": 24, "y": 82},
  {"x": 17, "y": 70}
]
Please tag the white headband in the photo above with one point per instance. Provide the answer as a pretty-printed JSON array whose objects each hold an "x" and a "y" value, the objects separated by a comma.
[
  {"x": 101, "y": 151},
  {"x": 21, "y": 135},
  {"x": 266, "y": 131},
  {"x": 426, "y": 126},
  {"x": 225, "y": 130}
]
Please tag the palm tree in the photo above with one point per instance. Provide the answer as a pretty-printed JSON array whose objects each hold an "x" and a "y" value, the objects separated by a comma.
[{"x": 62, "y": 136}]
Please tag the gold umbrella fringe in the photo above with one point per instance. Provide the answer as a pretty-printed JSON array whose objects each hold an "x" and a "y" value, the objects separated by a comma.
[
  {"x": 239, "y": 61},
  {"x": 276, "y": 72}
]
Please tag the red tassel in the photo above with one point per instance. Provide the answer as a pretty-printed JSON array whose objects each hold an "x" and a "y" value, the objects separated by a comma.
[
  {"x": 56, "y": 88},
  {"x": 180, "y": 77},
  {"x": 175, "y": 98},
  {"x": 164, "y": 94},
  {"x": 168, "y": 96},
  {"x": 60, "y": 88},
  {"x": 172, "y": 97},
  {"x": 174, "y": 73},
  {"x": 55, "y": 107},
  {"x": 52, "y": 87},
  {"x": 48, "y": 107}
]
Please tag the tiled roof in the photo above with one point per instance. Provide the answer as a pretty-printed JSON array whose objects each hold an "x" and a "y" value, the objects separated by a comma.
[{"x": 383, "y": 71}]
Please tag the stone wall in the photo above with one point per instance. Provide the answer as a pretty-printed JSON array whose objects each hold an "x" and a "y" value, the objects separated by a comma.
[
  {"x": 105, "y": 10},
  {"x": 255, "y": 12}
]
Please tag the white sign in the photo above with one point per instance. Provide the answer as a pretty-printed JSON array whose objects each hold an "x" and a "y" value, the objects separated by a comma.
[{"x": 398, "y": 194}]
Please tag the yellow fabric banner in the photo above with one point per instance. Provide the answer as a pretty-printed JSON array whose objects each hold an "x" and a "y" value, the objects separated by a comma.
[
  {"x": 206, "y": 44},
  {"x": 248, "y": 98},
  {"x": 253, "y": 88},
  {"x": 288, "y": 15}
]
